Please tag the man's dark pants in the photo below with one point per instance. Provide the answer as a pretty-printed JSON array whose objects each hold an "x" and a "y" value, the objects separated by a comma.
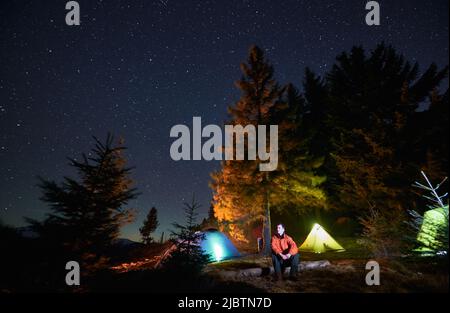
[{"x": 279, "y": 264}]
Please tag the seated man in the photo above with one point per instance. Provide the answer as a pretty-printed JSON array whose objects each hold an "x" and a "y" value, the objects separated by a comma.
[{"x": 284, "y": 253}]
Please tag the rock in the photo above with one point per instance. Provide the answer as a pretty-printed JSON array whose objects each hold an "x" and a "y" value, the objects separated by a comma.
[{"x": 313, "y": 265}]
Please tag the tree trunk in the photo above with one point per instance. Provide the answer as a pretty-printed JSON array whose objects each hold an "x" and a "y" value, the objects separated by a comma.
[
  {"x": 318, "y": 215},
  {"x": 267, "y": 228}
]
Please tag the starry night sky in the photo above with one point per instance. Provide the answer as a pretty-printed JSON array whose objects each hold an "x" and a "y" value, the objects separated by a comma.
[{"x": 137, "y": 68}]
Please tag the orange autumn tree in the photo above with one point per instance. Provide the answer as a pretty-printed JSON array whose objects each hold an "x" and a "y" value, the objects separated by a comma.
[
  {"x": 240, "y": 188},
  {"x": 242, "y": 194}
]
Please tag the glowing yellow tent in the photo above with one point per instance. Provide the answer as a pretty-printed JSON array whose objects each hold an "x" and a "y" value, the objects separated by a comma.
[{"x": 319, "y": 241}]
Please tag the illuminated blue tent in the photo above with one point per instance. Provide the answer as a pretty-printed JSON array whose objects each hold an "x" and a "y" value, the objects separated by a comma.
[
  {"x": 214, "y": 243},
  {"x": 218, "y": 246}
]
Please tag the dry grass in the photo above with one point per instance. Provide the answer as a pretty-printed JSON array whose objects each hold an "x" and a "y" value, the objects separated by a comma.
[
  {"x": 347, "y": 273},
  {"x": 348, "y": 276}
]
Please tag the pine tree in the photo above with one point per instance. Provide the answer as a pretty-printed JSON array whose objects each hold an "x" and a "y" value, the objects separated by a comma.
[
  {"x": 211, "y": 215},
  {"x": 149, "y": 226},
  {"x": 243, "y": 194},
  {"x": 188, "y": 258},
  {"x": 316, "y": 134},
  {"x": 431, "y": 131},
  {"x": 86, "y": 214},
  {"x": 372, "y": 107},
  {"x": 296, "y": 187},
  {"x": 210, "y": 221}
]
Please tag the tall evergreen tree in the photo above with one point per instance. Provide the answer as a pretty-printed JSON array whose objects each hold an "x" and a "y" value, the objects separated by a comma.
[
  {"x": 149, "y": 226},
  {"x": 241, "y": 190},
  {"x": 211, "y": 220},
  {"x": 86, "y": 214},
  {"x": 242, "y": 193},
  {"x": 372, "y": 104},
  {"x": 298, "y": 182},
  {"x": 430, "y": 131}
]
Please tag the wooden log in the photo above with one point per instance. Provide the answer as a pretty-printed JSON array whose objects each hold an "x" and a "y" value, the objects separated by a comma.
[{"x": 264, "y": 271}]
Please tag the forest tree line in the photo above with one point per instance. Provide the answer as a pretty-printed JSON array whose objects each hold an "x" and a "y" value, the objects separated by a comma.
[{"x": 350, "y": 141}]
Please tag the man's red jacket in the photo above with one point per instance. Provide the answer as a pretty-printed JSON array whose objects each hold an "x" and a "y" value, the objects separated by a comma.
[{"x": 284, "y": 245}]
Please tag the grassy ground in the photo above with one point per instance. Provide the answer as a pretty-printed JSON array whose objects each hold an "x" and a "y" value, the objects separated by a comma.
[
  {"x": 133, "y": 271},
  {"x": 347, "y": 273}
]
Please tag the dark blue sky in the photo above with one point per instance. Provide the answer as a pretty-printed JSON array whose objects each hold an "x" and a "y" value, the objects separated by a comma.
[{"x": 137, "y": 68}]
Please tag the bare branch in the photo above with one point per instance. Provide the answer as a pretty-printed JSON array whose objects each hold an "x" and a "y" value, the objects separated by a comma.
[
  {"x": 436, "y": 198},
  {"x": 440, "y": 184},
  {"x": 419, "y": 185},
  {"x": 432, "y": 199}
]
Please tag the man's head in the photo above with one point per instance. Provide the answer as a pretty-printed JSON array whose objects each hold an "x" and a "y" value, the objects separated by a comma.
[{"x": 280, "y": 229}]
